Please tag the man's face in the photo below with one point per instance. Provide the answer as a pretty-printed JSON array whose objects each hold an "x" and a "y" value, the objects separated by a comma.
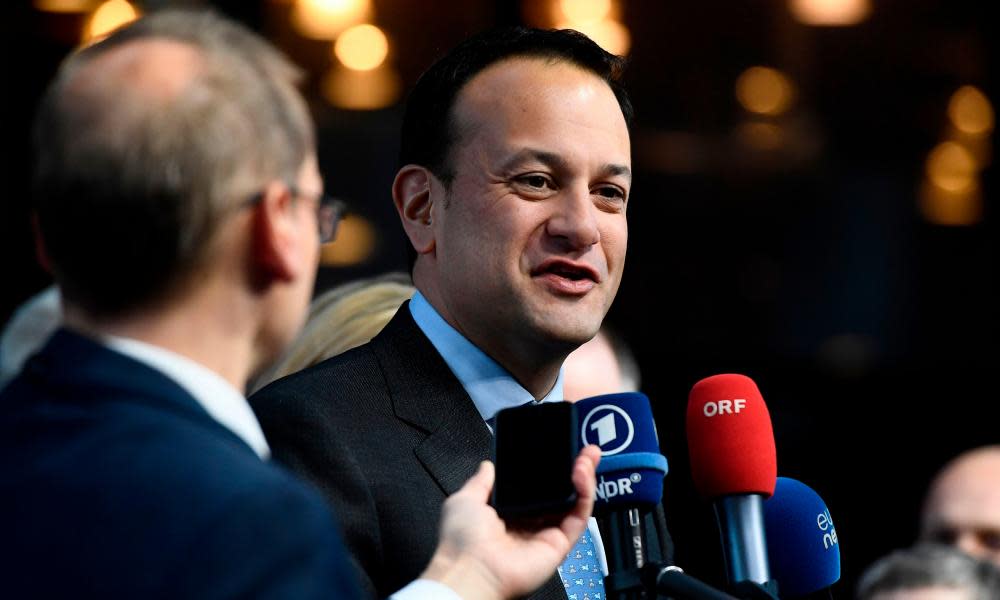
[
  {"x": 530, "y": 239},
  {"x": 963, "y": 506}
]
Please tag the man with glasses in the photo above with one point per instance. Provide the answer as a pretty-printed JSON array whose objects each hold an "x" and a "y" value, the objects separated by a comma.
[{"x": 131, "y": 465}]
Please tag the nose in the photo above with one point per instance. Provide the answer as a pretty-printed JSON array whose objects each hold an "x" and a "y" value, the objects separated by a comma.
[{"x": 574, "y": 219}]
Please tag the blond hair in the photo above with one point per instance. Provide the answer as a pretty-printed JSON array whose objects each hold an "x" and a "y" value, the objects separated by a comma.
[{"x": 342, "y": 318}]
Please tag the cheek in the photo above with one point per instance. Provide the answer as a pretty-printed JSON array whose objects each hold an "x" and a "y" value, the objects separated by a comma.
[{"x": 614, "y": 239}]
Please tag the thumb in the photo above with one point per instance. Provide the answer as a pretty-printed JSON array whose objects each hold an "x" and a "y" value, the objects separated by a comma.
[{"x": 479, "y": 486}]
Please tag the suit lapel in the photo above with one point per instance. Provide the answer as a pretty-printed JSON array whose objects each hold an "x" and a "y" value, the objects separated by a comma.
[{"x": 426, "y": 394}]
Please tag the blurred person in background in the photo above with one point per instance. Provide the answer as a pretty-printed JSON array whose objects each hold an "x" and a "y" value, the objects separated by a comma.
[
  {"x": 962, "y": 506},
  {"x": 513, "y": 187},
  {"x": 929, "y": 572},
  {"x": 27, "y": 331},
  {"x": 341, "y": 318},
  {"x": 180, "y": 208},
  {"x": 604, "y": 365}
]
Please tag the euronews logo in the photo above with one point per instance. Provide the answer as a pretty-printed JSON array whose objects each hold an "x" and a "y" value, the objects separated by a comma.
[
  {"x": 611, "y": 488},
  {"x": 825, "y": 524},
  {"x": 609, "y": 427}
]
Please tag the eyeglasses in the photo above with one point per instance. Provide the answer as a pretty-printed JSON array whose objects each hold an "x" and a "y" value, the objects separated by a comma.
[{"x": 329, "y": 212}]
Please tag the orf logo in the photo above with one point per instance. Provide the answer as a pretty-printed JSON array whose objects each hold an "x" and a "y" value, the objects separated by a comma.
[{"x": 609, "y": 427}]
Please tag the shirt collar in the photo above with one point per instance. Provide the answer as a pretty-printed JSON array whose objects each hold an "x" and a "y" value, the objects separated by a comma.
[
  {"x": 490, "y": 386},
  {"x": 218, "y": 397}
]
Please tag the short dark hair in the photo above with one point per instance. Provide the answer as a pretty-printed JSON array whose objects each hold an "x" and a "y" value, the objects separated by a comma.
[
  {"x": 130, "y": 188},
  {"x": 428, "y": 132},
  {"x": 428, "y": 124}
]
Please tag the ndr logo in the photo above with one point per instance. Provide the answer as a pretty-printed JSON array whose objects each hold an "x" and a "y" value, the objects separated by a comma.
[
  {"x": 616, "y": 487},
  {"x": 825, "y": 524},
  {"x": 609, "y": 427}
]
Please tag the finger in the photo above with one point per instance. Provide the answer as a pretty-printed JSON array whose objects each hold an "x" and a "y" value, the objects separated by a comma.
[
  {"x": 592, "y": 453},
  {"x": 480, "y": 485},
  {"x": 585, "y": 469},
  {"x": 584, "y": 479}
]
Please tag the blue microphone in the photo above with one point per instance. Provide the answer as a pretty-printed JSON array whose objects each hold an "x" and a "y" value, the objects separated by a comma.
[
  {"x": 631, "y": 470},
  {"x": 802, "y": 545},
  {"x": 629, "y": 482}
]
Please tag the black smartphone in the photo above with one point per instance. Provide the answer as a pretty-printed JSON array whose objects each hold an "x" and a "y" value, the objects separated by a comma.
[{"x": 534, "y": 447}]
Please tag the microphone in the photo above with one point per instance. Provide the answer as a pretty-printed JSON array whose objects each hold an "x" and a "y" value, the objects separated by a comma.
[
  {"x": 632, "y": 469},
  {"x": 803, "y": 551},
  {"x": 629, "y": 481},
  {"x": 734, "y": 465},
  {"x": 630, "y": 487}
]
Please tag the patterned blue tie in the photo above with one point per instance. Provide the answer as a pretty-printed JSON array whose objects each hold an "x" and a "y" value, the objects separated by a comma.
[{"x": 581, "y": 573}]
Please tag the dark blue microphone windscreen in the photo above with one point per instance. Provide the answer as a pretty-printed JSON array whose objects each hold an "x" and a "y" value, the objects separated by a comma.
[
  {"x": 802, "y": 545},
  {"x": 632, "y": 469}
]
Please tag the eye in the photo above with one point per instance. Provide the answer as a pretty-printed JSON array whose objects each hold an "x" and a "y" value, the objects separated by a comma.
[
  {"x": 943, "y": 536},
  {"x": 535, "y": 181},
  {"x": 989, "y": 538},
  {"x": 535, "y": 184},
  {"x": 611, "y": 194}
]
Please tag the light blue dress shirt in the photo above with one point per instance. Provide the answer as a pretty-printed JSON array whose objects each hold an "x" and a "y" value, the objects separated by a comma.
[{"x": 490, "y": 386}]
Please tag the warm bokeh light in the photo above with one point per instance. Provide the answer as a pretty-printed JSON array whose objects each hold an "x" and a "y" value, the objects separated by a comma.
[
  {"x": 761, "y": 135},
  {"x": 951, "y": 167},
  {"x": 354, "y": 244},
  {"x": 578, "y": 12},
  {"x": 943, "y": 207},
  {"x": 764, "y": 90},
  {"x": 830, "y": 12},
  {"x": 326, "y": 19},
  {"x": 608, "y": 34},
  {"x": 109, "y": 16},
  {"x": 361, "y": 90},
  {"x": 980, "y": 147},
  {"x": 970, "y": 111},
  {"x": 362, "y": 47},
  {"x": 65, "y": 6}
]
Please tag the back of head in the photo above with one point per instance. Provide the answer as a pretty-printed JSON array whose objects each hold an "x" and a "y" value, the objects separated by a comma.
[
  {"x": 927, "y": 567},
  {"x": 146, "y": 141},
  {"x": 342, "y": 318}
]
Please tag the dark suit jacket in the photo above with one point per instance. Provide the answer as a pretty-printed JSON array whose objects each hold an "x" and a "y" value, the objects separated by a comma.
[
  {"x": 115, "y": 483},
  {"x": 387, "y": 432}
]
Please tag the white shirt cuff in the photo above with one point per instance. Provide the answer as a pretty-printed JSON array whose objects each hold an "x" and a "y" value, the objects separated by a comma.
[{"x": 425, "y": 589}]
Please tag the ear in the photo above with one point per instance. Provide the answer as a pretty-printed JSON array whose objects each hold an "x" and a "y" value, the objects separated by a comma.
[
  {"x": 411, "y": 193},
  {"x": 276, "y": 241}
]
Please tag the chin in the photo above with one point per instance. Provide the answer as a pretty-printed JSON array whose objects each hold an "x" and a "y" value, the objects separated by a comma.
[{"x": 570, "y": 335}]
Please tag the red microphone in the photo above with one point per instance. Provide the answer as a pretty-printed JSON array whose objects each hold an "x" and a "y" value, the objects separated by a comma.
[{"x": 734, "y": 465}]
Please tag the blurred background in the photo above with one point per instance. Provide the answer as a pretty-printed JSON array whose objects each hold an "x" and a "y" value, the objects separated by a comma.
[{"x": 814, "y": 206}]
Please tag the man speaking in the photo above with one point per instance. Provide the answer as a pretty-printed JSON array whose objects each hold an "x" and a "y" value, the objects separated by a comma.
[{"x": 513, "y": 190}]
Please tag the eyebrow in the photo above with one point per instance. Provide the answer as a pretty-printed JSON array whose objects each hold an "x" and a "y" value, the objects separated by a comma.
[{"x": 558, "y": 162}]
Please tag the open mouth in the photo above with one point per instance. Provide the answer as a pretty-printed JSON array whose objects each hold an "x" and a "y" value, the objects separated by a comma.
[
  {"x": 571, "y": 273},
  {"x": 566, "y": 270}
]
